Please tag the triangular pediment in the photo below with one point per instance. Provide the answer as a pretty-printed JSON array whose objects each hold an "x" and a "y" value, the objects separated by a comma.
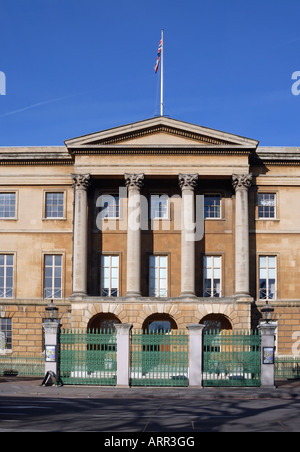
[{"x": 161, "y": 131}]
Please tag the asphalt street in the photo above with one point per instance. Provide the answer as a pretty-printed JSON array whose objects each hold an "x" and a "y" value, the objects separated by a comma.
[
  {"x": 26, "y": 406},
  {"x": 27, "y": 414}
]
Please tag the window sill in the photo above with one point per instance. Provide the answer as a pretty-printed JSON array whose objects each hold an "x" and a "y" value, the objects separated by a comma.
[
  {"x": 54, "y": 219},
  {"x": 267, "y": 219},
  {"x": 9, "y": 219}
]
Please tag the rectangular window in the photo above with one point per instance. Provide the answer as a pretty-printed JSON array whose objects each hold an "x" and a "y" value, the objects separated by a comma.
[
  {"x": 109, "y": 276},
  {"x": 267, "y": 277},
  {"x": 158, "y": 276},
  {"x": 212, "y": 276},
  {"x": 111, "y": 206},
  {"x": 54, "y": 205},
  {"x": 7, "y": 205},
  {"x": 6, "y": 275},
  {"x": 212, "y": 206},
  {"x": 159, "y": 207},
  {"x": 266, "y": 206},
  {"x": 53, "y": 276},
  {"x": 6, "y": 328}
]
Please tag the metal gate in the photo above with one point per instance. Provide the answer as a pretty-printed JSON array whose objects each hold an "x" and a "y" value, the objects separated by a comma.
[
  {"x": 88, "y": 357},
  {"x": 159, "y": 358},
  {"x": 232, "y": 358}
]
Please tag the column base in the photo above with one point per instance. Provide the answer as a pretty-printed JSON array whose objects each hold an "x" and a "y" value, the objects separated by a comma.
[
  {"x": 188, "y": 295},
  {"x": 78, "y": 295},
  {"x": 133, "y": 295}
]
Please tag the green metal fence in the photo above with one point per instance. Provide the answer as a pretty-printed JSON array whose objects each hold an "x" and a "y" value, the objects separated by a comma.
[
  {"x": 287, "y": 368},
  {"x": 22, "y": 365},
  {"x": 159, "y": 358},
  {"x": 232, "y": 358},
  {"x": 88, "y": 357}
]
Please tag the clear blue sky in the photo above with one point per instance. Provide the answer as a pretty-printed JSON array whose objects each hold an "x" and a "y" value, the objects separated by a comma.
[{"x": 75, "y": 67}]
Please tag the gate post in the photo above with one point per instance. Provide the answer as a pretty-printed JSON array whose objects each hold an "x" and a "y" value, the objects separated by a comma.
[
  {"x": 52, "y": 341},
  {"x": 268, "y": 336},
  {"x": 123, "y": 354},
  {"x": 195, "y": 354}
]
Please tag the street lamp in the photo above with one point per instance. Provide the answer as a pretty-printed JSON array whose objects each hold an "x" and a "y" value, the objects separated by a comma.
[
  {"x": 267, "y": 313},
  {"x": 52, "y": 312}
]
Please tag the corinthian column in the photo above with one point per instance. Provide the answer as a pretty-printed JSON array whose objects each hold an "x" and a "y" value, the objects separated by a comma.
[
  {"x": 187, "y": 183},
  {"x": 241, "y": 184},
  {"x": 134, "y": 183},
  {"x": 80, "y": 245}
]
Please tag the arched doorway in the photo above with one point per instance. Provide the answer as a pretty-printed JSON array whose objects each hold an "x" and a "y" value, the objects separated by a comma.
[
  {"x": 216, "y": 322},
  {"x": 104, "y": 321},
  {"x": 160, "y": 323}
]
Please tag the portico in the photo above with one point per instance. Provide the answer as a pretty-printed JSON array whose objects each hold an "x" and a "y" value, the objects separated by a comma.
[{"x": 162, "y": 157}]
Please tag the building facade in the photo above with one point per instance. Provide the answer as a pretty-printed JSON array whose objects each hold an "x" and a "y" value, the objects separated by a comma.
[{"x": 159, "y": 224}]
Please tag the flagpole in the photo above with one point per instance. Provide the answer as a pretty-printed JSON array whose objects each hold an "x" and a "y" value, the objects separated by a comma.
[{"x": 162, "y": 76}]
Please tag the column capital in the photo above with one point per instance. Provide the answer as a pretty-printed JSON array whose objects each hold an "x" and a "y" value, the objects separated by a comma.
[
  {"x": 242, "y": 181},
  {"x": 188, "y": 181},
  {"x": 134, "y": 180},
  {"x": 81, "y": 181}
]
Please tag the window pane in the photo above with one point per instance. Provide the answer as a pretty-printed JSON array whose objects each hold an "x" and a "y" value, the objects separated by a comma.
[
  {"x": 272, "y": 261},
  {"x": 217, "y": 262},
  {"x": 115, "y": 261},
  {"x": 272, "y": 273},
  {"x": 58, "y": 260},
  {"x": 105, "y": 261},
  {"x": 10, "y": 259},
  {"x": 263, "y": 262},
  {"x": 208, "y": 261},
  {"x": 48, "y": 260},
  {"x": 217, "y": 273},
  {"x": 263, "y": 273}
]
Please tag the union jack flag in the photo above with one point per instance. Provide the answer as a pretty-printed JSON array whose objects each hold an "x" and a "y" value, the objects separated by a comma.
[{"x": 158, "y": 57}]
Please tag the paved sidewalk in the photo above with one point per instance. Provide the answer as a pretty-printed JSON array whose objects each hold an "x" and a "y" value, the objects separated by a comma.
[{"x": 32, "y": 388}]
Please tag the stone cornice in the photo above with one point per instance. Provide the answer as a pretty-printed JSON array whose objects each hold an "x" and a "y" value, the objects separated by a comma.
[
  {"x": 159, "y": 150},
  {"x": 33, "y": 156}
]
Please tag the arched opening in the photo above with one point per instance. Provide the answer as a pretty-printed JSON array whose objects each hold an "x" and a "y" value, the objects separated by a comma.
[
  {"x": 160, "y": 322},
  {"x": 104, "y": 321},
  {"x": 216, "y": 322}
]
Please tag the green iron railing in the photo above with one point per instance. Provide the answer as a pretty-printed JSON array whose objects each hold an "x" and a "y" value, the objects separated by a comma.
[
  {"x": 88, "y": 357},
  {"x": 159, "y": 358},
  {"x": 287, "y": 368},
  {"x": 232, "y": 358},
  {"x": 22, "y": 365}
]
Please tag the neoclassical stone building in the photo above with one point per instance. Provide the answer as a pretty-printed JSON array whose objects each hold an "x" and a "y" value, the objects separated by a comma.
[{"x": 159, "y": 223}]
